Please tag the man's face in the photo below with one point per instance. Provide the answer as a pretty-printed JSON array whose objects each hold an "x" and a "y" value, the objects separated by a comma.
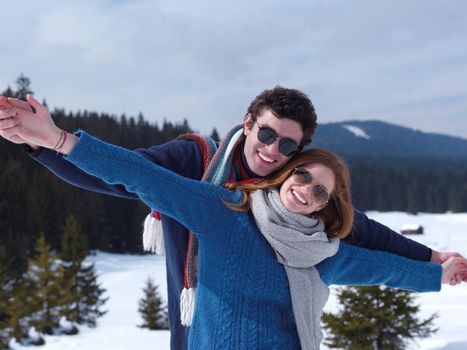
[{"x": 264, "y": 159}]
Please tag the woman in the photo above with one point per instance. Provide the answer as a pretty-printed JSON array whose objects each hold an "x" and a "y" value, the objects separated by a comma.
[{"x": 263, "y": 248}]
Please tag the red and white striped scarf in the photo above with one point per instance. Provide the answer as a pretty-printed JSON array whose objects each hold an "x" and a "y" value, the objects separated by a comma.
[{"x": 219, "y": 166}]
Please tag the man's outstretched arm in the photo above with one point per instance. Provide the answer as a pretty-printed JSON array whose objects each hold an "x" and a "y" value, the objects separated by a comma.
[
  {"x": 370, "y": 234},
  {"x": 170, "y": 155}
]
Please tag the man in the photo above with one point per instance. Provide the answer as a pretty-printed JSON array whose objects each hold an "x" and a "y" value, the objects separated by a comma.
[{"x": 278, "y": 123}]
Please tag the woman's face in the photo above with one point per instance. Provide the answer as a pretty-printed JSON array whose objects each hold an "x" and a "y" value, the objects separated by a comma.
[{"x": 298, "y": 197}]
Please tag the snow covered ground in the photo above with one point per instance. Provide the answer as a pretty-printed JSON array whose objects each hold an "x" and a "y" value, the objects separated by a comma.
[{"x": 124, "y": 277}]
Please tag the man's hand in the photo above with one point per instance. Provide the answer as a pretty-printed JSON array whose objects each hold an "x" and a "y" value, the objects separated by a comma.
[
  {"x": 19, "y": 124},
  {"x": 454, "y": 271},
  {"x": 441, "y": 257}
]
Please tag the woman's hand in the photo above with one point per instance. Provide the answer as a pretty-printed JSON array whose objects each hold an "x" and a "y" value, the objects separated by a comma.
[
  {"x": 6, "y": 120},
  {"x": 19, "y": 124},
  {"x": 454, "y": 271},
  {"x": 440, "y": 257}
]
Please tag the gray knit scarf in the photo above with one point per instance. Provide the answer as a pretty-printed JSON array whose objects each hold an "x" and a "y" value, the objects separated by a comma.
[{"x": 300, "y": 243}]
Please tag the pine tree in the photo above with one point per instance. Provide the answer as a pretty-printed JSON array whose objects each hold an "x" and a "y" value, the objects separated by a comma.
[
  {"x": 375, "y": 318},
  {"x": 22, "y": 308},
  {"x": 72, "y": 255},
  {"x": 215, "y": 135},
  {"x": 5, "y": 294},
  {"x": 91, "y": 299},
  {"x": 8, "y": 92},
  {"x": 46, "y": 275},
  {"x": 23, "y": 87},
  {"x": 74, "y": 244},
  {"x": 15, "y": 303},
  {"x": 152, "y": 309},
  {"x": 84, "y": 292}
]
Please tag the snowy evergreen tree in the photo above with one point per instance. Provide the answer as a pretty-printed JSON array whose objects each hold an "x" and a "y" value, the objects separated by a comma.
[
  {"x": 46, "y": 276},
  {"x": 152, "y": 309},
  {"x": 23, "y": 305},
  {"x": 91, "y": 296},
  {"x": 74, "y": 244},
  {"x": 375, "y": 318},
  {"x": 84, "y": 292},
  {"x": 5, "y": 294},
  {"x": 215, "y": 135},
  {"x": 23, "y": 85},
  {"x": 72, "y": 255}
]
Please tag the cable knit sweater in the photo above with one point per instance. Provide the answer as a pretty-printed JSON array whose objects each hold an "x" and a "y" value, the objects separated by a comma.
[
  {"x": 243, "y": 299},
  {"x": 186, "y": 158}
]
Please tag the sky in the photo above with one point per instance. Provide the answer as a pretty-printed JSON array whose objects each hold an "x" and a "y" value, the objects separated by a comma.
[
  {"x": 124, "y": 276},
  {"x": 404, "y": 62}
]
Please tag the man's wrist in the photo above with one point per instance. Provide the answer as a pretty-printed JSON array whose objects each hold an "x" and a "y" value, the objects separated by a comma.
[
  {"x": 31, "y": 147},
  {"x": 435, "y": 257},
  {"x": 32, "y": 150}
]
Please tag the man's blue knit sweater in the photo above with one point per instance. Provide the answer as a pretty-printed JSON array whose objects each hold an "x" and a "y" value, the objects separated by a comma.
[{"x": 243, "y": 299}]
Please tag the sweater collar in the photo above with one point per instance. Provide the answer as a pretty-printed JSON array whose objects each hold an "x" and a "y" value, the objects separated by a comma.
[{"x": 250, "y": 173}]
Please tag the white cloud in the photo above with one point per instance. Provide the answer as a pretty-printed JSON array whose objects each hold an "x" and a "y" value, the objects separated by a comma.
[{"x": 400, "y": 61}]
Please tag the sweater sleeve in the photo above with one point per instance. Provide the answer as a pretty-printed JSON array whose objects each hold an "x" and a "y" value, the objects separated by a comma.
[
  {"x": 180, "y": 156},
  {"x": 197, "y": 205},
  {"x": 371, "y": 234},
  {"x": 362, "y": 267}
]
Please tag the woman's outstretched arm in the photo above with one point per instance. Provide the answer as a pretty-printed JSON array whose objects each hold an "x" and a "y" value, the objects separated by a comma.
[
  {"x": 197, "y": 205},
  {"x": 362, "y": 267}
]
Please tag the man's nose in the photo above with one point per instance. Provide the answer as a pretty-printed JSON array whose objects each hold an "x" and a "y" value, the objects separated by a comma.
[{"x": 273, "y": 148}]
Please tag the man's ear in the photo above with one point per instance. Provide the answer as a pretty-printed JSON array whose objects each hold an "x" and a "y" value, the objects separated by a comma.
[{"x": 247, "y": 124}]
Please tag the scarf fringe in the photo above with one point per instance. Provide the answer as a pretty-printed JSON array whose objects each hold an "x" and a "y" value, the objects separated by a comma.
[
  {"x": 153, "y": 237},
  {"x": 187, "y": 306}
]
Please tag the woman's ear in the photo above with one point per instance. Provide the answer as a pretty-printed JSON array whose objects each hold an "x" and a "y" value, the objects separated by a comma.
[{"x": 319, "y": 208}]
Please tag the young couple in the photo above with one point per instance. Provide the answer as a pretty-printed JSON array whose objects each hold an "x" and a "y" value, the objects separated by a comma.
[{"x": 267, "y": 242}]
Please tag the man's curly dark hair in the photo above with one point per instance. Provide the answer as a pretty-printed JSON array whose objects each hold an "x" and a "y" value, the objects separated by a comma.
[{"x": 287, "y": 103}]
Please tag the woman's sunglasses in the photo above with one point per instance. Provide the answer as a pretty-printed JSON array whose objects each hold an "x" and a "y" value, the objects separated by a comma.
[
  {"x": 267, "y": 136},
  {"x": 320, "y": 195}
]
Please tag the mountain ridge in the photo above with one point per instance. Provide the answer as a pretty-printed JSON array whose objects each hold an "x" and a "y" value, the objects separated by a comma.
[{"x": 375, "y": 139}]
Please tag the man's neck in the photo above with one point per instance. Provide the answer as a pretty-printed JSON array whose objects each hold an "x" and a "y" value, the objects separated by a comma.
[{"x": 247, "y": 173}]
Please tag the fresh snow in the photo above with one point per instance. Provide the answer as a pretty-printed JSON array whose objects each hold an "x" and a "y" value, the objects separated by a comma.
[
  {"x": 359, "y": 132},
  {"x": 124, "y": 277}
]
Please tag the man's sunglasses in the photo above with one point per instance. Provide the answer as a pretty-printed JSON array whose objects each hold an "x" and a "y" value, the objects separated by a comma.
[
  {"x": 320, "y": 195},
  {"x": 267, "y": 136}
]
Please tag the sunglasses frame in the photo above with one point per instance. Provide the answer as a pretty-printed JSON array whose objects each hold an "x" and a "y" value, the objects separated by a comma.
[
  {"x": 299, "y": 172},
  {"x": 283, "y": 142}
]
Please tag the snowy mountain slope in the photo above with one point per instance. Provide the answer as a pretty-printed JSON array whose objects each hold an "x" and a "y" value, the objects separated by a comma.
[{"x": 377, "y": 139}]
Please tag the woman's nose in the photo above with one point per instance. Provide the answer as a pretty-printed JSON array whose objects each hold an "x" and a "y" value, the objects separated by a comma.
[{"x": 308, "y": 189}]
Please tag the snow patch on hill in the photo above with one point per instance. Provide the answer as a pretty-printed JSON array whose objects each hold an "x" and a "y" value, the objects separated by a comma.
[{"x": 358, "y": 132}]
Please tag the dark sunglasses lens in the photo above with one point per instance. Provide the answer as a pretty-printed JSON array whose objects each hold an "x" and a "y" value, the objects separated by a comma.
[
  {"x": 266, "y": 135},
  {"x": 287, "y": 147},
  {"x": 303, "y": 176},
  {"x": 320, "y": 193}
]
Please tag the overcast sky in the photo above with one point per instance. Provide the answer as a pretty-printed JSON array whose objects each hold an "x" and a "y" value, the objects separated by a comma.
[{"x": 400, "y": 61}]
